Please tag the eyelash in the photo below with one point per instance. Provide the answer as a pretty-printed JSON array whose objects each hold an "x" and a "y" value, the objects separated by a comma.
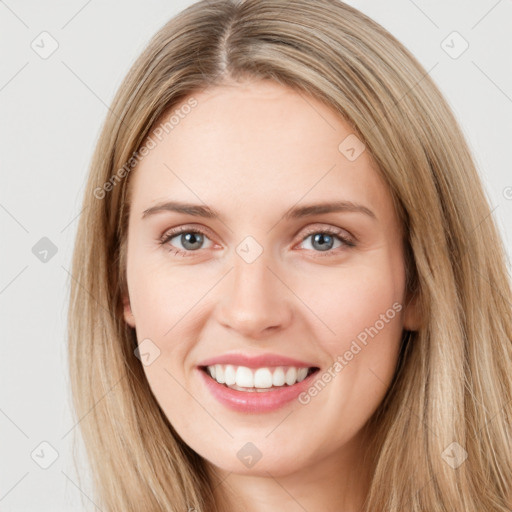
[{"x": 346, "y": 241}]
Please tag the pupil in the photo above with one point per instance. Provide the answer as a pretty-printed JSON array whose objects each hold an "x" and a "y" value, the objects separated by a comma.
[
  {"x": 189, "y": 239},
  {"x": 321, "y": 239}
]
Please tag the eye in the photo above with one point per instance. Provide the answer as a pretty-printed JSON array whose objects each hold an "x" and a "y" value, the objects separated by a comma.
[
  {"x": 191, "y": 240},
  {"x": 324, "y": 240}
]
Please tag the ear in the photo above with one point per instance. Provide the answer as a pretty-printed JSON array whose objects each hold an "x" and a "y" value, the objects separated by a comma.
[
  {"x": 413, "y": 318},
  {"x": 127, "y": 311}
]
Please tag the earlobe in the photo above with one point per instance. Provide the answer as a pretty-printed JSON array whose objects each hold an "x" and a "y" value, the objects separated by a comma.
[
  {"x": 413, "y": 318},
  {"x": 127, "y": 312}
]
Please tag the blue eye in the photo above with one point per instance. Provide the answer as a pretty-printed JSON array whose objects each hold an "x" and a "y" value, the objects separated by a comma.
[
  {"x": 190, "y": 240},
  {"x": 323, "y": 241}
]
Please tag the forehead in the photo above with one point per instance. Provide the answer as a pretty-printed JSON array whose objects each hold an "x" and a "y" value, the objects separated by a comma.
[{"x": 252, "y": 145}]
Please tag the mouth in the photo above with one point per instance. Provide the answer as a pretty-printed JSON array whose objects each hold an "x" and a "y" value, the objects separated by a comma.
[{"x": 257, "y": 380}]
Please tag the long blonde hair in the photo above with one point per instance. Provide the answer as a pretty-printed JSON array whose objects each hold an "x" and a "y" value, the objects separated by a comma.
[{"x": 453, "y": 378}]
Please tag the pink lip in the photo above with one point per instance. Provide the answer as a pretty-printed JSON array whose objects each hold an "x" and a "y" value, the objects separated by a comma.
[
  {"x": 264, "y": 360},
  {"x": 254, "y": 401}
]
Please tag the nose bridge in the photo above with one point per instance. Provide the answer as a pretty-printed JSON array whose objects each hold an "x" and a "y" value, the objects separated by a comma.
[{"x": 254, "y": 300}]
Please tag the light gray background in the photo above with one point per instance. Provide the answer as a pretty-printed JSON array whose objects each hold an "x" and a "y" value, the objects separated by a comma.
[{"x": 51, "y": 112}]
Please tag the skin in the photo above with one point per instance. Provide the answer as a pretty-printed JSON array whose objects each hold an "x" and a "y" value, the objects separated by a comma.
[{"x": 252, "y": 151}]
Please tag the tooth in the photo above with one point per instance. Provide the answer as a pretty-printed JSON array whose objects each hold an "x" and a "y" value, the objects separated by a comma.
[
  {"x": 301, "y": 374},
  {"x": 278, "y": 377},
  {"x": 257, "y": 379},
  {"x": 291, "y": 376},
  {"x": 262, "y": 378},
  {"x": 230, "y": 375},
  {"x": 219, "y": 373},
  {"x": 244, "y": 377},
  {"x": 249, "y": 390}
]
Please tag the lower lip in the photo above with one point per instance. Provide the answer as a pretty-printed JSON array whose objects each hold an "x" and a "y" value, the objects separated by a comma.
[{"x": 255, "y": 401}]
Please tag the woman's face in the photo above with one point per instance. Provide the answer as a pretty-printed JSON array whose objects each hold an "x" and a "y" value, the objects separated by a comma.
[{"x": 271, "y": 273}]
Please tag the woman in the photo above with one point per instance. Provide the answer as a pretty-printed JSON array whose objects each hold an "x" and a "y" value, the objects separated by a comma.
[{"x": 289, "y": 292}]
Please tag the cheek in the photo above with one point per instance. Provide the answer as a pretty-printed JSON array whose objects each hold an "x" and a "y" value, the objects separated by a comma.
[
  {"x": 363, "y": 307},
  {"x": 364, "y": 310},
  {"x": 165, "y": 314},
  {"x": 161, "y": 297},
  {"x": 356, "y": 300},
  {"x": 168, "y": 304}
]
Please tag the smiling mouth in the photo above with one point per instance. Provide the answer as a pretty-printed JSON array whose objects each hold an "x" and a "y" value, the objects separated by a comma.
[{"x": 241, "y": 378}]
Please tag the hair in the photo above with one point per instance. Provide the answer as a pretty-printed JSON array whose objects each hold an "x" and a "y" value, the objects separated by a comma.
[{"x": 452, "y": 381}]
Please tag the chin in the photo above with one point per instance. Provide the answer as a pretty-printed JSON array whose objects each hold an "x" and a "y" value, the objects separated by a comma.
[{"x": 249, "y": 460}]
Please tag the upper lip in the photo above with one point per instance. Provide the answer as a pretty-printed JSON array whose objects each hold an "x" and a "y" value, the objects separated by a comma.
[{"x": 260, "y": 361}]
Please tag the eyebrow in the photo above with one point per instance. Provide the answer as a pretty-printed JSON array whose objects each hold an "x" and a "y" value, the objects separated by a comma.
[{"x": 198, "y": 210}]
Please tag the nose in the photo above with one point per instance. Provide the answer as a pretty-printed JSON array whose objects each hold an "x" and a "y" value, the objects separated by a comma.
[{"x": 254, "y": 300}]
